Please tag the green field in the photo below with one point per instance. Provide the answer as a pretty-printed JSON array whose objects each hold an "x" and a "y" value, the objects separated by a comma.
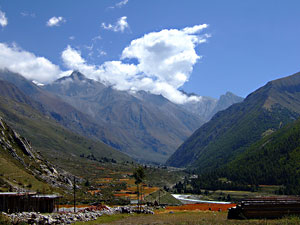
[{"x": 236, "y": 196}]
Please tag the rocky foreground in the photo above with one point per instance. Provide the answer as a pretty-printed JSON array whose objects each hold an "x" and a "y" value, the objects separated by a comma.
[{"x": 68, "y": 217}]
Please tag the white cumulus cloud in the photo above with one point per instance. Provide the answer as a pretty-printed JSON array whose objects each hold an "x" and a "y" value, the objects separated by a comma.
[
  {"x": 119, "y": 26},
  {"x": 3, "y": 19},
  {"x": 109, "y": 72},
  {"x": 165, "y": 61},
  {"x": 195, "y": 29},
  {"x": 55, "y": 21},
  {"x": 159, "y": 62},
  {"x": 29, "y": 65},
  {"x": 119, "y": 4}
]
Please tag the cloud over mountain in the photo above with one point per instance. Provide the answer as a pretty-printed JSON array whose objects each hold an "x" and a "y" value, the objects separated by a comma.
[
  {"x": 165, "y": 62},
  {"x": 159, "y": 62},
  {"x": 26, "y": 63}
]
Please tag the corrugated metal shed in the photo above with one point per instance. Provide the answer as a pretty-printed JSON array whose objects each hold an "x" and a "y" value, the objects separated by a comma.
[
  {"x": 265, "y": 207},
  {"x": 27, "y": 202}
]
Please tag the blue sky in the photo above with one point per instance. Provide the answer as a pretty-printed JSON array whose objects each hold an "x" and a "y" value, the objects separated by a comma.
[{"x": 234, "y": 46}]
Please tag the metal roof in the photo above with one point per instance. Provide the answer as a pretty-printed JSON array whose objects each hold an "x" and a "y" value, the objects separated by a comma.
[
  {"x": 16, "y": 193},
  {"x": 32, "y": 194}
]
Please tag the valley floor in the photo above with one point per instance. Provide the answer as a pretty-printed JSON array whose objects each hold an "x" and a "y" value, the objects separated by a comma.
[{"x": 187, "y": 217}]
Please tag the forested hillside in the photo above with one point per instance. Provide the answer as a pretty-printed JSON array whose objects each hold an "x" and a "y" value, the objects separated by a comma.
[{"x": 232, "y": 131}]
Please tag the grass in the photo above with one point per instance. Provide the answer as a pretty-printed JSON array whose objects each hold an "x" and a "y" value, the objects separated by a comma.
[
  {"x": 184, "y": 218},
  {"x": 236, "y": 196},
  {"x": 163, "y": 197},
  {"x": 107, "y": 219},
  {"x": 15, "y": 175}
]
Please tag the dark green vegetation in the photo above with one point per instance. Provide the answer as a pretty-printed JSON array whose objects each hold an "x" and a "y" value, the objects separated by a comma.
[
  {"x": 232, "y": 131},
  {"x": 213, "y": 188},
  {"x": 252, "y": 143},
  {"x": 139, "y": 177},
  {"x": 273, "y": 160}
]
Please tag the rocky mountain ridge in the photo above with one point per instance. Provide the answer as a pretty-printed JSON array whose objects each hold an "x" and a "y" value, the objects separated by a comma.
[
  {"x": 207, "y": 107},
  {"x": 145, "y": 126},
  {"x": 148, "y": 127}
]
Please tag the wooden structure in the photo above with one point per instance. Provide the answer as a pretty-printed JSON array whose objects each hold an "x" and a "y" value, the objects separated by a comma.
[
  {"x": 11, "y": 202},
  {"x": 265, "y": 207}
]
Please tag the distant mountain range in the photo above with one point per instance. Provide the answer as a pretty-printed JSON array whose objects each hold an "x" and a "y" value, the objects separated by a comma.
[
  {"x": 230, "y": 133},
  {"x": 208, "y": 106},
  {"x": 146, "y": 127},
  {"x": 57, "y": 143}
]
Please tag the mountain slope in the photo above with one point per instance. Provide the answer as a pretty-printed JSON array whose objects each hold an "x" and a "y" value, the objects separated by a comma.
[
  {"x": 273, "y": 160},
  {"x": 52, "y": 106},
  {"x": 57, "y": 143},
  {"x": 22, "y": 168},
  {"x": 232, "y": 131},
  {"x": 145, "y": 126}
]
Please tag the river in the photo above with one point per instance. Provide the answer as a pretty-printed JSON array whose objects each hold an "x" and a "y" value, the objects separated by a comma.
[{"x": 189, "y": 199}]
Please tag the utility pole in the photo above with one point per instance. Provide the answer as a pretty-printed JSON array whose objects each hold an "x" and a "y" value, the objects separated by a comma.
[
  {"x": 138, "y": 192},
  {"x": 141, "y": 202},
  {"x": 159, "y": 197},
  {"x": 74, "y": 182}
]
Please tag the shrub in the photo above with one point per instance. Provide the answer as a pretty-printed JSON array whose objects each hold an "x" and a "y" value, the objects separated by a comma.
[{"x": 4, "y": 219}]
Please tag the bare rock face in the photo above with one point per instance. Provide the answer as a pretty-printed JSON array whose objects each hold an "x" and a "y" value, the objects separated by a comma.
[{"x": 23, "y": 144}]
